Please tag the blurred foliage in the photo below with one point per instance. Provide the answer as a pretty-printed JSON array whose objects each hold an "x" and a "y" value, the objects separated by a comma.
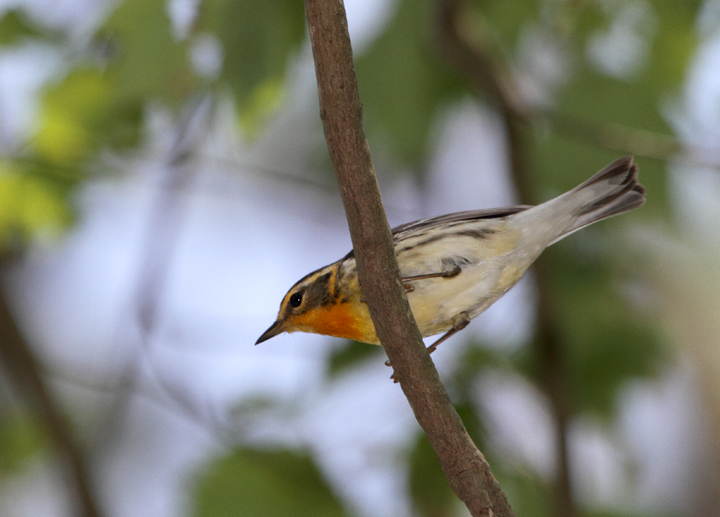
[
  {"x": 605, "y": 343},
  {"x": 82, "y": 114},
  {"x": 99, "y": 102},
  {"x": 30, "y": 205},
  {"x": 403, "y": 83},
  {"x": 429, "y": 489},
  {"x": 20, "y": 439},
  {"x": 349, "y": 355},
  {"x": 146, "y": 60},
  {"x": 265, "y": 484},
  {"x": 508, "y": 19},
  {"x": 528, "y": 494},
  {"x": 258, "y": 39},
  {"x": 14, "y": 27}
]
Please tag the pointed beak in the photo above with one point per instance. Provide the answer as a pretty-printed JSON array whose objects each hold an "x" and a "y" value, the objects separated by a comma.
[{"x": 275, "y": 329}]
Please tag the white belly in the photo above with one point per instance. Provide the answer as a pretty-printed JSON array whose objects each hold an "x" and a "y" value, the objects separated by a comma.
[{"x": 489, "y": 267}]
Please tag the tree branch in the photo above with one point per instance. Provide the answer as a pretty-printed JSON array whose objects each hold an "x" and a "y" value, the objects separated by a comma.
[
  {"x": 465, "y": 467},
  {"x": 22, "y": 367}
]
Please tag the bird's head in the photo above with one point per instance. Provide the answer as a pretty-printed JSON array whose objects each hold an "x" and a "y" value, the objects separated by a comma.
[{"x": 322, "y": 303}]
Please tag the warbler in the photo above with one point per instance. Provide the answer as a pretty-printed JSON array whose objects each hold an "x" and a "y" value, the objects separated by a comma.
[{"x": 455, "y": 266}]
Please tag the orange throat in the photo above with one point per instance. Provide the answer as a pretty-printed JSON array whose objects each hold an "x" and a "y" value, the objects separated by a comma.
[{"x": 349, "y": 320}]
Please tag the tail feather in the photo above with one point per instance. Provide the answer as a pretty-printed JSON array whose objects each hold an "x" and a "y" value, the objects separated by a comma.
[{"x": 614, "y": 190}]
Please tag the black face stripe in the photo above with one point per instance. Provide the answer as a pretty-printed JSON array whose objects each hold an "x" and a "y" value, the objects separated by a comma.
[
  {"x": 339, "y": 280},
  {"x": 318, "y": 292},
  {"x": 309, "y": 275},
  {"x": 336, "y": 282},
  {"x": 312, "y": 290}
]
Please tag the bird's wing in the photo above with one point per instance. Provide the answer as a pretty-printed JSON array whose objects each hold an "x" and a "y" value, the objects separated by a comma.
[
  {"x": 415, "y": 227},
  {"x": 470, "y": 215}
]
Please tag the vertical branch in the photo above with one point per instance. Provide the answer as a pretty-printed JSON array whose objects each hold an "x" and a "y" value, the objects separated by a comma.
[
  {"x": 553, "y": 366},
  {"x": 465, "y": 467},
  {"x": 21, "y": 365},
  {"x": 491, "y": 77}
]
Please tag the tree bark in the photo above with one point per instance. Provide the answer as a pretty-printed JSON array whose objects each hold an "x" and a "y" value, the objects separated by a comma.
[{"x": 341, "y": 112}]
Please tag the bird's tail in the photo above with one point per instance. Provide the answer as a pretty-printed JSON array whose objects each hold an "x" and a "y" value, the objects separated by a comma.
[{"x": 612, "y": 191}]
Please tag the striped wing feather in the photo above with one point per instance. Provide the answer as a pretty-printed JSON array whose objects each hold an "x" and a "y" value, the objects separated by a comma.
[{"x": 470, "y": 215}]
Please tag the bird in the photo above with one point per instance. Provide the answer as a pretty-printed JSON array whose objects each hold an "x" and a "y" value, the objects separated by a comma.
[{"x": 455, "y": 266}]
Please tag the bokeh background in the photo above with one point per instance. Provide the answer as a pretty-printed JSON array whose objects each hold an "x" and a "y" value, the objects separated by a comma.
[{"x": 164, "y": 180}]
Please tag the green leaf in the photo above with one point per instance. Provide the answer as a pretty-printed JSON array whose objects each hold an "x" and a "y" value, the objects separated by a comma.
[
  {"x": 605, "y": 343},
  {"x": 148, "y": 62},
  {"x": 576, "y": 21},
  {"x": 29, "y": 205},
  {"x": 15, "y": 27},
  {"x": 527, "y": 493},
  {"x": 20, "y": 439},
  {"x": 636, "y": 102},
  {"x": 258, "y": 37},
  {"x": 265, "y": 483},
  {"x": 610, "y": 513},
  {"x": 429, "y": 489},
  {"x": 673, "y": 46},
  {"x": 83, "y": 113},
  {"x": 508, "y": 19},
  {"x": 602, "y": 98},
  {"x": 403, "y": 84},
  {"x": 477, "y": 358},
  {"x": 354, "y": 353}
]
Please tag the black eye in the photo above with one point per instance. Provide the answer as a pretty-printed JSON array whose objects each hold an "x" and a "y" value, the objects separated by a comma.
[{"x": 296, "y": 300}]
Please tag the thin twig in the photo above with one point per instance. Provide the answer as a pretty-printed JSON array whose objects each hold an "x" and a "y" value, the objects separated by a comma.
[
  {"x": 21, "y": 365},
  {"x": 465, "y": 467}
]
